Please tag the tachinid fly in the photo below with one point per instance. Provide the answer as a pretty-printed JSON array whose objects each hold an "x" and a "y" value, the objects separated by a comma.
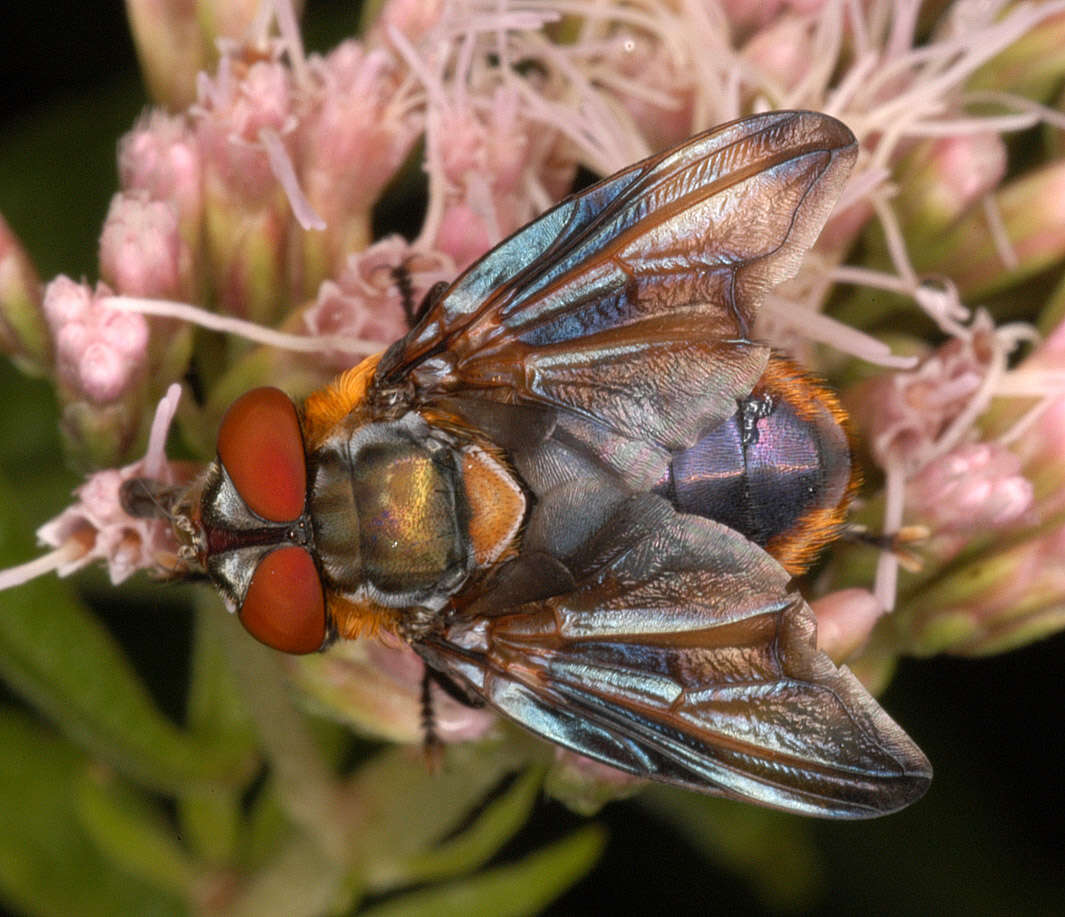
[{"x": 579, "y": 489}]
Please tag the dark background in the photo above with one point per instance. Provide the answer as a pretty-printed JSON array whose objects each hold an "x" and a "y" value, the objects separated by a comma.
[{"x": 986, "y": 839}]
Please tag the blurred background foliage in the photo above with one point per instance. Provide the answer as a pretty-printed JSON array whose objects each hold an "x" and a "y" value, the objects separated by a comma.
[{"x": 131, "y": 774}]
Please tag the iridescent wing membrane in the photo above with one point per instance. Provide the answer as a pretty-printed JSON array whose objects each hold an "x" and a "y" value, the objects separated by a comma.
[
  {"x": 680, "y": 655},
  {"x": 590, "y": 345},
  {"x": 631, "y": 303}
]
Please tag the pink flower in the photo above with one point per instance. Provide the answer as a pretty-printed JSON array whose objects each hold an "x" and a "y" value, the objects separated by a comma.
[
  {"x": 910, "y": 417},
  {"x": 488, "y": 160},
  {"x": 376, "y": 688},
  {"x": 366, "y": 301},
  {"x": 100, "y": 352},
  {"x": 970, "y": 491},
  {"x": 232, "y": 112},
  {"x": 361, "y": 115},
  {"x": 161, "y": 156},
  {"x": 142, "y": 252},
  {"x": 844, "y": 621},
  {"x": 96, "y": 528}
]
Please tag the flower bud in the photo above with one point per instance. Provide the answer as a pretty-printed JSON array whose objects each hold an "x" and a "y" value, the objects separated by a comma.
[
  {"x": 247, "y": 214},
  {"x": 376, "y": 689},
  {"x": 100, "y": 352},
  {"x": 999, "y": 600},
  {"x": 366, "y": 301},
  {"x": 1032, "y": 213},
  {"x": 781, "y": 50},
  {"x": 904, "y": 414},
  {"x": 170, "y": 47},
  {"x": 356, "y": 135},
  {"x": 142, "y": 252},
  {"x": 941, "y": 179},
  {"x": 23, "y": 329},
  {"x": 101, "y": 369},
  {"x": 1032, "y": 66},
  {"x": 488, "y": 160},
  {"x": 176, "y": 39},
  {"x": 161, "y": 157},
  {"x": 1040, "y": 447},
  {"x": 585, "y": 785},
  {"x": 844, "y": 621},
  {"x": 970, "y": 492}
]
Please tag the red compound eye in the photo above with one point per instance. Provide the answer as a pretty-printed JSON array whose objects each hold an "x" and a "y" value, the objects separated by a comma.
[
  {"x": 261, "y": 447},
  {"x": 285, "y": 606}
]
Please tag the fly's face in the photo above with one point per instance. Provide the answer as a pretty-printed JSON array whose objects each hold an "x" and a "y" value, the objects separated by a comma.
[
  {"x": 579, "y": 488},
  {"x": 256, "y": 539},
  {"x": 375, "y": 525}
]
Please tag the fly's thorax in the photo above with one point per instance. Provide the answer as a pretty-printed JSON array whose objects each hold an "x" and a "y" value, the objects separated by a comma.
[
  {"x": 389, "y": 512},
  {"x": 403, "y": 511}
]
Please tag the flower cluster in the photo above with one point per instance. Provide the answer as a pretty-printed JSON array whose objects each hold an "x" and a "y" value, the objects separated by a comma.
[{"x": 934, "y": 299}]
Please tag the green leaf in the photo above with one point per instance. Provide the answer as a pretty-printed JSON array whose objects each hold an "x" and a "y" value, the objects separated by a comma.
[
  {"x": 211, "y": 820},
  {"x": 310, "y": 794},
  {"x": 297, "y": 881},
  {"x": 408, "y": 809},
  {"x": 59, "y": 657},
  {"x": 525, "y": 887},
  {"x": 132, "y": 832},
  {"x": 472, "y": 848},
  {"x": 48, "y": 864}
]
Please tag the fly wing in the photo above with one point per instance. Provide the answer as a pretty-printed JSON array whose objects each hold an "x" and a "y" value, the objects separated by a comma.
[
  {"x": 678, "y": 654},
  {"x": 631, "y": 303}
]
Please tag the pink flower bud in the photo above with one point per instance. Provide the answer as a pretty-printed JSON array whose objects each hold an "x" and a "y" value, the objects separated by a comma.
[
  {"x": 357, "y": 131},
  {"x": 1040, "y": 447},
  {"x": 100, "y": 352},
  {"x": 142, "y": 252},
  {"x": 998, "y": 600},
  {"x": 585, "y": 785},
  {"x": 488, "y": 162},
  {"x": 465, "y": 235},
  {"x": 904, "y": 414},
  {"x": 366, "y": 302},
  {"x": 376, "y": 689},
  {"x": 243, "y": 122},
  {"x": 161, "y": 157},
  {"x": 973, "y": 489},
  {"x": 1030, "y": 67},
  {"x": 1031, "y": 210},
  {"x": 781, "y": 50},
  {"x": 231, "y": 111},
  {"x": 942, "y": 179},
  {"x": 844, "y": 621}
]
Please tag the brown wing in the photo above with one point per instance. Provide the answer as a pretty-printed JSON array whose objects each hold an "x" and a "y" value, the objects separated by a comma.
[
  {"x": 632, "y": 302},
  {"x": 678, "y": 654}
]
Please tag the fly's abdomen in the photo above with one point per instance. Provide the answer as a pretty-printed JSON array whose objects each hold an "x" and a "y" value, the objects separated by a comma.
[{"x": 779, "y": 470}]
